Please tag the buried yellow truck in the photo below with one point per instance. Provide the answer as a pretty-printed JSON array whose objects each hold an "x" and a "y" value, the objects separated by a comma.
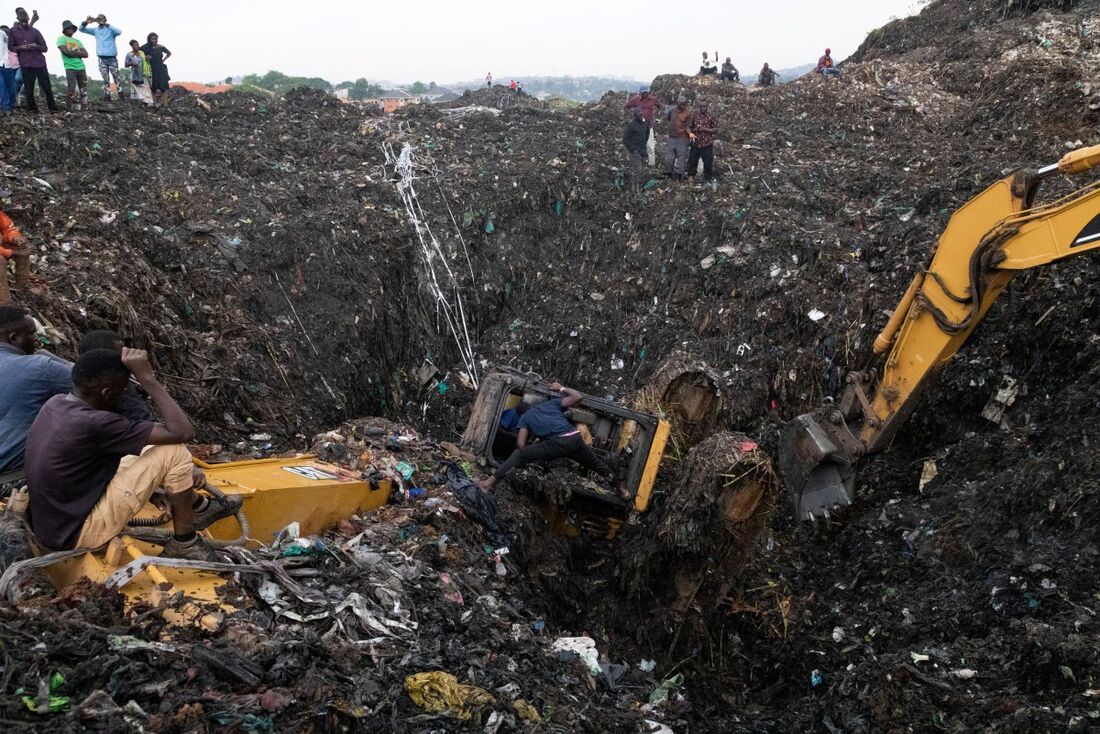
[
  {"x": 629, "y": 441},
  {"x": 276, "y": 492},
  {"x": 633, "y": 443}
]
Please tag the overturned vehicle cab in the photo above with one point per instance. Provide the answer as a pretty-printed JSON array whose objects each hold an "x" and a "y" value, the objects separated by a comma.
[{"x": 629, "y": 441}]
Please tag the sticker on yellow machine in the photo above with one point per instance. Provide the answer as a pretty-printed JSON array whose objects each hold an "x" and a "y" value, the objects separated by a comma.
[{"x": 316, "y": 473}]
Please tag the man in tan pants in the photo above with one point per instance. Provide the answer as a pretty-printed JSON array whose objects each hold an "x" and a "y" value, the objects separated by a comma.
[{"x": 90, "y": 469}]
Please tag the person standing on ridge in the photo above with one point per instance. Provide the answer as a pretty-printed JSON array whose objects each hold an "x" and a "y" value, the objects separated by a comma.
[
  {"x": 489, "y": 80},
  {"x": 73, "y": 54},
  {"x": 635, "y": 138},
  {"x": 649, "y": 106},
  {"x": 106, "y": 51},
  {"x": 7, "y": 74},
  {"x": 31, "y": 47},
  {"x": 156, "y": 56},
  {"x": 704, "y": 127},
  {"x": 676, "y": 146},
  {"x": 13, "y": 75},
  {"x": 139, "y": 85}
]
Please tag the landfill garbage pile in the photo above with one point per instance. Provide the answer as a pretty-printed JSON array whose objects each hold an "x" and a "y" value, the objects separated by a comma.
[
  {"x": 247, "y": 242},
  {"x": 279, "y": 258}
]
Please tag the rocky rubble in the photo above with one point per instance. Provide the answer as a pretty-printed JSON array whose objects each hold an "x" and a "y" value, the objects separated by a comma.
[{"x": 264, "y": 250}]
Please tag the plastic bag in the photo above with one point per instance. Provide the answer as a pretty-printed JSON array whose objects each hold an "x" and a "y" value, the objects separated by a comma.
[
  {"x": 439, "y": 691},
  {"x": 478, "y": 506}
]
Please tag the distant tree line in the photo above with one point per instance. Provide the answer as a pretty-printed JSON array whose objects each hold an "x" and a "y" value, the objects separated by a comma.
[{"x": 280, "y": 83}]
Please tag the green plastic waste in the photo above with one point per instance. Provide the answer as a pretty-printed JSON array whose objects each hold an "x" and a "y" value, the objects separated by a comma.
[
  {"x": 650, "y": 184},
  {"x": 489, "y": 226},
  {"x": 55, "y": 703},
  {"x": 663, "y": 691},
  {"x": 559, "y": 205},
  {"x": 253, "y": 724},
  {"x": 407, "y": 470},
  {"x": 249, "y": 723}
]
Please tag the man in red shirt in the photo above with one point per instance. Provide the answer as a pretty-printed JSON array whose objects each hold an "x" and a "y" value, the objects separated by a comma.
[
  {"x": 825, "y": 65},
  {"x": 704, "y": 127},
  {"x": 13, "y": 246},
  {"x": 649, "y": 106}
]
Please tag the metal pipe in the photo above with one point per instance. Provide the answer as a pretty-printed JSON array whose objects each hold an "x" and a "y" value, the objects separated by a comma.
[
  {"x": 1047, "y": 171},
  {"x": 886, "y": 336}
]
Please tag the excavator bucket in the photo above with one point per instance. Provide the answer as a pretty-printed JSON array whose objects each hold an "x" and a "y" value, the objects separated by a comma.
[{"x": 815, "y": 467}]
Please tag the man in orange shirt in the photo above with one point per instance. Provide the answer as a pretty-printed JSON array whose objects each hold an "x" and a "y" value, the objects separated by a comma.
[{"x": 13, "y": 246}]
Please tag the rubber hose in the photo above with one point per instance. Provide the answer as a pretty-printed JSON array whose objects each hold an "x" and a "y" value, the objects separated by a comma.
[
  {"x": 148, "y": 522},
  {"x": 160, "y": 537}
]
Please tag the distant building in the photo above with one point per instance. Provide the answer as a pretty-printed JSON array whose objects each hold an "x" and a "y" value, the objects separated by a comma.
[
  {"x": 393, "y": 100},
  {"x": 199, "y": 88},
  {"x": 344, "y": 95}
]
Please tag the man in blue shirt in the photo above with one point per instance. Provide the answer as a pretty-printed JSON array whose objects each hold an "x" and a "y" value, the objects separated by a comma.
[
  {"x": 558, "y": 438},
  {"x": 105, "y": 35},
  {"x": 30, "y": 378}
]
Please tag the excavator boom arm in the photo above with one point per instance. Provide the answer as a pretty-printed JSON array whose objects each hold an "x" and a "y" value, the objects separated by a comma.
[
  {"x": 969, "y": 271},
  {"x": 987, "y": 241}
]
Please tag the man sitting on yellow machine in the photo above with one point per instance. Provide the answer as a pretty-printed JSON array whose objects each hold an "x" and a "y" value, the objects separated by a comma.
[{"x": 91, "y": 470}]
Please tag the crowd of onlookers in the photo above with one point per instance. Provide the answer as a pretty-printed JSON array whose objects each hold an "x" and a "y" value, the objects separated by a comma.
[
  {"x": 143, "y": 75},
  {"x": 768, "y": 76},
  {"x": 691, "y": 132}
]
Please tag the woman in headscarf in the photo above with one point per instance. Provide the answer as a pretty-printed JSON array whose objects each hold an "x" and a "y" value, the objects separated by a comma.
[
  {"x": 157, "y": 55},
  {"x": 139, "y": 85}
]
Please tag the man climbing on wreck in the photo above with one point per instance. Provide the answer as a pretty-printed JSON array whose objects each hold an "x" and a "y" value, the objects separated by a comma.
[
  {"x": 558, "y": 439},
  {"x": 90, "y": 470}
]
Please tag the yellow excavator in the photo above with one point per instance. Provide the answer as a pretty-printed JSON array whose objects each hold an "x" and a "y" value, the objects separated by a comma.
[{"x": 991, "y": 238}]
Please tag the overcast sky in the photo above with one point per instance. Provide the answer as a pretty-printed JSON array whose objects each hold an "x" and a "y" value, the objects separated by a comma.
[{"x": 460, "y": 40}]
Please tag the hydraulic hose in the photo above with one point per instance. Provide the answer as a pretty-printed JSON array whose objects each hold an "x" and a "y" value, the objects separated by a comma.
[{"x": 160, "y": 537}]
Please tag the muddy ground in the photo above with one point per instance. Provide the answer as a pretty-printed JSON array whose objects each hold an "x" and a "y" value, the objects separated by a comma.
[{"x": 262, "y": 249}]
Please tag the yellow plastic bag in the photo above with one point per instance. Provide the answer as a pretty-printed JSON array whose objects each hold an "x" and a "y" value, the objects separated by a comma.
[
  {"x": 526, "y": 711},
  {"x": 439, "y": 691}
]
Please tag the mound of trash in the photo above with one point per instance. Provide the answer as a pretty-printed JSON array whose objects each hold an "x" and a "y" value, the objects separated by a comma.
[{"x": 293, "y": 265}]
